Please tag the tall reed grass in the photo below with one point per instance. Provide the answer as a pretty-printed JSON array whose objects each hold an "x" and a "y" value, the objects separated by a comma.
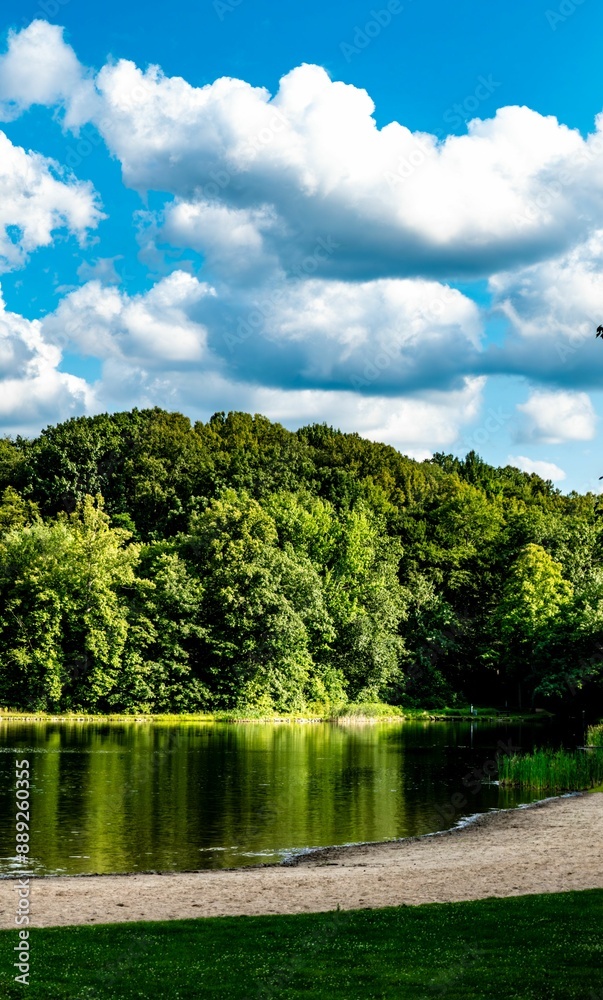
[
  {"x": 553, "y": 770},
  {"x": 594, "y": 735}
]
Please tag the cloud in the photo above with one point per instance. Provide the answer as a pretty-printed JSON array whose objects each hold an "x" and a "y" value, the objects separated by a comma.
[
  {"x": 314, "y": 162},
  {"x": 561, "y": 297},
  {"x": 167, "y": 347},
  {"x": 40, "y": 68},
  {"x": 553, "y": 309},
  {"x": 305, "y": 256},
  {"x": 32, "y": 389},
  {"x": 233, "y": 242},
  {"x": 415, "y": 425},
  {"x": 557, "y": 417},
  {"x": 153, "y": 329},
  {"x": 381, "y": 338},
  {"x": 546, "y": 470},
  {"x": 37, "y": 200},
  {"x": 310, "y": 162},
  {"x": 102, "y": 269}
]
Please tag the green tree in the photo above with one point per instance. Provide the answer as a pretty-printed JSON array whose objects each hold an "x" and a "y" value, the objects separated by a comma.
[
  {"x": 534, "y": 602},
  {"x": 163, "y": 666},
  {"x": 367, "y": 605},
  {"x": 263, "y": 606},
  {"x": 15, "y": 512},
  {"x": 63, "y": 617}
]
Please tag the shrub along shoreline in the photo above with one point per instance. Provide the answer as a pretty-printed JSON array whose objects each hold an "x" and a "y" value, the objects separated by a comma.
[{"x": 369, "y": 713}]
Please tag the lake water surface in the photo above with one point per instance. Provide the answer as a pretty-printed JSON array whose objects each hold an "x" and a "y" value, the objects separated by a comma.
[{"x": 116, "y": 797}]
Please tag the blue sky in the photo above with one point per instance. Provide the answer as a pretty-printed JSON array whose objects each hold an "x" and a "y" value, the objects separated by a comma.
[{"x": 387, "y": 217}]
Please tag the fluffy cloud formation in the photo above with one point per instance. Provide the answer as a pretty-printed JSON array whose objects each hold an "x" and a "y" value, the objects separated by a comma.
[
  {"x": 546, "y": 470},
  {"x": 151, "y": 329},
  {"x": 382, "y": 337},
  {"x": 103, "y": 269},
  {"x": 561, "y": 297},
  {"x": 32, "y": 390},
  {"x": 36, "y": 201},
  {"x": 556, "y": 417},
  {"x": 311, "y": 162},
  {"x": 553, "y": 309},
  {"x": 167, "y": 347},
  {"x": 318, "y": 249},
  {"x": 417, "y": 425},
  {"x": 39, "y": 68}
]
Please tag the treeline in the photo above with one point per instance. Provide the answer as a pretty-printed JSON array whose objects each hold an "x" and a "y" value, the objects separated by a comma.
[{"x": 148, "y": 565}]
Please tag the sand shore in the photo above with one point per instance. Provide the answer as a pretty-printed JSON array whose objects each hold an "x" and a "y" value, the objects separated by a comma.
[{"x": 551, "y": 847}]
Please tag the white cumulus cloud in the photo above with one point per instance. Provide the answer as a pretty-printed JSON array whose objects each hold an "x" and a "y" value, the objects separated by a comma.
[
  {"x": 314, "y": 156},
  {"x": 382, "y": 337},
  {"x": 553, "y": 308},
  {"x": 311, "y": 162},
  {"x": 168, "y": 347},
  {"x": 36, "y": 201},
  {"x": 556, "y": 417},
  {"x": 32, "y": 389},
  {"x": 327, "y": 249},
  {"x": 546, "y": 470},
  {"x": 154, "y": 328},
  {"x": 416, "y": 425},
  {"x": 40, "y": 68}
]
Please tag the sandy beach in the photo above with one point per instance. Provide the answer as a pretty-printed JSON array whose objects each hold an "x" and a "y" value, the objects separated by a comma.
[{"x": 551, "y": 847}]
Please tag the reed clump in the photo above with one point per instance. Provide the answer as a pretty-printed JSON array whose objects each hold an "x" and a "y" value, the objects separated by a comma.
[
  {"x": 594, "y": 735},
  {"x": 553, "y": 770}
]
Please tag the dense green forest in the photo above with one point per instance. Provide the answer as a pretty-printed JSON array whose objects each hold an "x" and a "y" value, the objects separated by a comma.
[{"x": 151, "y": 565}]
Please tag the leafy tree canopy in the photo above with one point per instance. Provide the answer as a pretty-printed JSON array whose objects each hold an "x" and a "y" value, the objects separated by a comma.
[{"x": 149, "y": 564}]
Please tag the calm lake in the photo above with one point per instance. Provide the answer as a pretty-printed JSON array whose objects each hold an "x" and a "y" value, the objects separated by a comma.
[{"x": 140, "y": 797}]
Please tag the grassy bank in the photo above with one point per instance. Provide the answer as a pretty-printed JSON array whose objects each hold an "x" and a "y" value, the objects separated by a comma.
[
  {"x": 553, "y": 770},
  {"x": 524, "y": 948},
  {"x": 373, "y": 711}
]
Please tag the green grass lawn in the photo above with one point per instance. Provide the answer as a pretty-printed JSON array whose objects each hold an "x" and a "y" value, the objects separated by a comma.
[{"x": 528, "y": 948}]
